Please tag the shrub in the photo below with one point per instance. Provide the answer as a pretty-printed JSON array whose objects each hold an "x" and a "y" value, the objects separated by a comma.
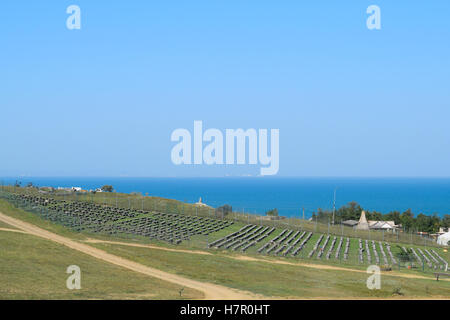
[
  {"x": 273, "y": 212},
  {"x": 107, "y": 188}
]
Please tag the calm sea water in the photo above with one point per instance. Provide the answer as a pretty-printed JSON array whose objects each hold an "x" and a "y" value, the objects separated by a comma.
[{"x": 289, "y": 195}]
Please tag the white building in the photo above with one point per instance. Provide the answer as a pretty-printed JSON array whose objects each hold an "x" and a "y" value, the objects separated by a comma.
[
  {"x": 444, "y": 239},
  {"x": 382, "y": 225}
]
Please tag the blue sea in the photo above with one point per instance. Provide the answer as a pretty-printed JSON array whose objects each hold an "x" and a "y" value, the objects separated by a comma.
[{"x": 288, "y": 195}]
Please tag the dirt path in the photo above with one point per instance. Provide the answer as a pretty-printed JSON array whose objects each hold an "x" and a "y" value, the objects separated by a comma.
[
  {"x": 12, "y": 230},
  {"x": 211, "y": 291},
  {"x": 149, "y": 246}
]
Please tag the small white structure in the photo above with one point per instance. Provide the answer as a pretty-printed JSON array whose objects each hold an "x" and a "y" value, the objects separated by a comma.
[
  {"x": 201, "y": 204},
  {"x": 70, "y": 189},
  {"x": 444, "y": 239}
]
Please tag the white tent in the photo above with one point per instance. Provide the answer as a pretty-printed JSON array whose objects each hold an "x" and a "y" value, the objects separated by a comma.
[{"x": 444, "y": 239}]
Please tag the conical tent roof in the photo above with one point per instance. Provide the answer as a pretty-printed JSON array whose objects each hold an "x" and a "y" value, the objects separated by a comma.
[{"x": 362, "y": 224}]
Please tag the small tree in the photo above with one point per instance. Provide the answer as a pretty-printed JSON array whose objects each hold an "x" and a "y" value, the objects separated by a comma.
[
  {"x": 107, "y": 188},
  {"x": 272, "y": 213},
  {"x": 405, "y": 256},
  {"x": 446, "y": 221}
]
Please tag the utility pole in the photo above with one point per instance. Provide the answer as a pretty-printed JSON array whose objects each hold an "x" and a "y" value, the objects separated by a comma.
[{"x": 334, "y": 206}]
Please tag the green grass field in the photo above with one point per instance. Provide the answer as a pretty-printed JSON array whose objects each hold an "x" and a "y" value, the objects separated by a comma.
[{"x": 33, "y": 268}]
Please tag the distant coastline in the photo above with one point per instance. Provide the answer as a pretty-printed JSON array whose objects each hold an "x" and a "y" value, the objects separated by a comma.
[{"x": 289, "y": 195}]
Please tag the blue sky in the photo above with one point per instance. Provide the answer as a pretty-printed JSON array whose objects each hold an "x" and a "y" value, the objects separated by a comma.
[{"x": 104, "y": 100}]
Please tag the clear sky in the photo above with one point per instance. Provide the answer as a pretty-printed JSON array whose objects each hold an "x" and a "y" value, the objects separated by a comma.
[{"x": 104, "y": 100}]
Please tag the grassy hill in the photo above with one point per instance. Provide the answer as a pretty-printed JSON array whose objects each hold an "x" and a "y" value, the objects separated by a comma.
[
  {"x": 269, "y": 275},
  {"x": 33, "y": 268}
]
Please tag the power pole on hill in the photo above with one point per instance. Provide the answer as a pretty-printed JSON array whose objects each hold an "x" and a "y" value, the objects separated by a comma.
[{"x": 334, "y": 206}]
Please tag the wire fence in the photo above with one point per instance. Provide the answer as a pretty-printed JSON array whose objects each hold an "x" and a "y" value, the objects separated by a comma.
[{"x": 156, "y": 204}]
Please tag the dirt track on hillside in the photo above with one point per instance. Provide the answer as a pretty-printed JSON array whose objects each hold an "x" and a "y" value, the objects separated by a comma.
[
  {"x": 149, "y": 246},
  {"x": 12, "y": 230},
  {"x": 211, "y": 291}
]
